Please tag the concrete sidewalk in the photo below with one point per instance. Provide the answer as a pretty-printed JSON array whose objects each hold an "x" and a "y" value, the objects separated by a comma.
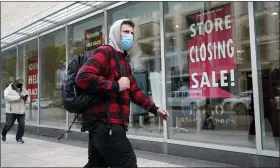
[{"x": 37, "y": 152}]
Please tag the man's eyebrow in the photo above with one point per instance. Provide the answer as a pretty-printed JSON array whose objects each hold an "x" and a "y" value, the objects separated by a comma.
[{"x": 128, "y": 31}]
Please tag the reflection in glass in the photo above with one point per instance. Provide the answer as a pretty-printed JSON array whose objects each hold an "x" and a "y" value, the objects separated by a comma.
[
  {"x": 8, "y": 74},
  {"x": 53, "y": 71},
  {"x": 84, "y": 36},
  {"x": 28, "y": 70},
  {"x": 209, "y": 82},
  {"x": 267, "y": 35},
  {"x": 145, "y": 60}
]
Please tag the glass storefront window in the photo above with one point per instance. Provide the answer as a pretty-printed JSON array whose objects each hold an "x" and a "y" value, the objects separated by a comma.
[
  {"x": 9, "y": 59},
  {"x": 208, "y": 72},
  {"x": 28, "y": 70},
  {"x": 209, "y": 92},
  {"x": 84, "y": 36},
  {"x": 267, "y": 37},
  {"x": 52, "y": 74},
  {"x": 145, "y": 61}
]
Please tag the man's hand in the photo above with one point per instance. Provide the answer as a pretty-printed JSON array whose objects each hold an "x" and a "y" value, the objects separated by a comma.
[
  {"x": 124, "y": 83},
  {"x": 24, "y": 97},
  {"x": 162, "y": 114}
]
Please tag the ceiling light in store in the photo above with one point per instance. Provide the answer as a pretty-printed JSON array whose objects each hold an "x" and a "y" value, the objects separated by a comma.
[
  {"x": 177, "y": 25},
  {"x": 240, "y": 51},
  {"x": 174, "y": 38},
  {"x": 274, "y": 13}
]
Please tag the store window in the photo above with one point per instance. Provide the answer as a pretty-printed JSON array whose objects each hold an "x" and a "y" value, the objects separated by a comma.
[
  {"x": 85, "y": 36},
  {"x": 9, "y": 58},
  {"x": 208, "y": 68},
  {"x": 52, "y": 74},
  {"x": 145, "y": 60},
  {"x": 267, "y": 37},
  {"x": 28, "y": 70}
]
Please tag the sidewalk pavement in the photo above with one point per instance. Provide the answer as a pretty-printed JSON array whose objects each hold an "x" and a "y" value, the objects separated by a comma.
[{"x": 48, "y": 152}]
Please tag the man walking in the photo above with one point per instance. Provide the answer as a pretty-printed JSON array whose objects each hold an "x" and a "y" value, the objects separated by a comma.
[
  {"x": 108, "y": 145},
  {"x": 16, "y": 98}
]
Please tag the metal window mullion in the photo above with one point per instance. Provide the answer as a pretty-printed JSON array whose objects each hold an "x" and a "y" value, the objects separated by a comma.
[
  {"x": 39, "y": 81},
  {"x": 67, "y": 62},
  {"x": 24, "y": 65},
  {"x": 1, "y": 74},
  {"x": 105, "y": 26},
  {"x": 255, "y": 78},
  {"x": 17, "y": 66},
  {"x": 163, "y": 80}
]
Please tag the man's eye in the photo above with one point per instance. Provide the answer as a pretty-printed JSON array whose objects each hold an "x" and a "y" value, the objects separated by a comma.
[{"x": 128, "y": 32}]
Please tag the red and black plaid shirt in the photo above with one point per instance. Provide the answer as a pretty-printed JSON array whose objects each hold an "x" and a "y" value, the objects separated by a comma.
[{"x": 91, "y": 78}]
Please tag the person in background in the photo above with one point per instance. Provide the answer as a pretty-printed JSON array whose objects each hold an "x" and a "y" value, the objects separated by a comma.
[
  {"x": 16, "y": 97},
  {"x": 270, "y": 92}
]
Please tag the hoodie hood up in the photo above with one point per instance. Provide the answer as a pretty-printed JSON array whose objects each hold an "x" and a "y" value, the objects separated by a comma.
[{"x": 115, "y": 35}]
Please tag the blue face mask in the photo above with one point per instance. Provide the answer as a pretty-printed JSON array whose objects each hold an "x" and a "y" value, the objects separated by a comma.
[{"x": 127, "y": 41}]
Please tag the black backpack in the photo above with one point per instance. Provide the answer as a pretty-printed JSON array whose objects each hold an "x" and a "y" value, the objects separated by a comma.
[{"x": 75, "y": 99}]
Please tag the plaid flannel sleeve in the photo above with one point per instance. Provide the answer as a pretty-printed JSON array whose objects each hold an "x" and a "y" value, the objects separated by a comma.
[{"x": 90, "y": 76}]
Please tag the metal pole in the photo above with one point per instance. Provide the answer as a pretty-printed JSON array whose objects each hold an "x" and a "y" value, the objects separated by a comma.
[
  {"x": 162, "y": 39},
  {"x": 17, "y": 65},
  {"x": 257, "y": 81},
  {"x": 1, "y": 76},
  {"x": 67, "y": 62},
  {"x": 39, "y": 81},
  {"x": 105, "y": 26}
]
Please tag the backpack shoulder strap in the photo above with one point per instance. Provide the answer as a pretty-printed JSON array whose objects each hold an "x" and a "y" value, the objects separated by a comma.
[
  {"x": 123, "y": 74},
  {"x": 109, "y": 54},
  {"x": 106, "y": 52},
  {"x": 120, "y": 65}
]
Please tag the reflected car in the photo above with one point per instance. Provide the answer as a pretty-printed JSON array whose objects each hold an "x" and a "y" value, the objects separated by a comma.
[
  {"x": 43, "y": 103},
  {"x": 240, "y": 103},
  {"x": 55, "y": 103},
  {"x": 3, "y": 103},
  {"x": 181, "y": 99}
]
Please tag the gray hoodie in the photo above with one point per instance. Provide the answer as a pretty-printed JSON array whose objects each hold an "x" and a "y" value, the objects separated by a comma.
[{"x": 115, "y": 35}]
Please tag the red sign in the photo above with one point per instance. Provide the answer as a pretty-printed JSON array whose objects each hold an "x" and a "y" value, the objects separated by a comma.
[
  {"x": 32, "y": 78},
  {"x": 211, "y": 52}
]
